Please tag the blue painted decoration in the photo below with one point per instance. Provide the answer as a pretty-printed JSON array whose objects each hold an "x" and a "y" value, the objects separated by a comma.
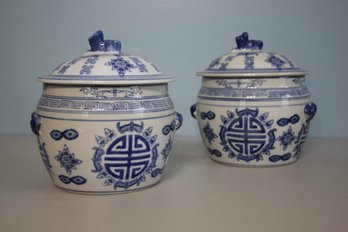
[
  {"x": 45, "y": 158},
  {"x": 166, "y": 150},
  {"x": 114, "y": 92},
  {"x": 97, "y": 43},
  {"x": 78, "y": 180},
  {"x": 240, "y": 83},
  {"x": 247, "y": 137},
  {"x": 210, "y": 115},
  {"x": 276, "y": 158},
  {"x": 67, "y": 160},
  {"x": 209, "y": 133},
  {"x": 214, "y": 152},
  {"x": 275, "y": 61},
  {"x": 168, "y": 128},
  {"x": 35, "y": 123},
  {"x": 57, "y": 104},
  {"x": 301, "y": 138},
  {"x": 292, "y": 120},
  {"x": 68, "y": 134},
  {"x": 127, "y": 157},
  {"x": 287, "y": 138},
  {"x": 141, "y": 66},
  {"x": 120, "y": 65},
  {"x": 310, "y": 111},
  {"x": 243, "y": 42},
  {"x": 248, "y": 62},
  {"x": 65, "y": 67},
  {"x": 89, "y": 65}
]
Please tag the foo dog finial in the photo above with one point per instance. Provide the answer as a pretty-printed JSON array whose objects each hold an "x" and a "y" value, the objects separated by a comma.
[
  {"x": 243, "y": 42},
  {"x": 97, "y": 43}
]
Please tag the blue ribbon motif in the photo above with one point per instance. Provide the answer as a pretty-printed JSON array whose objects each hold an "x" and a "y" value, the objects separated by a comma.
[
  {"x": 285, "y": 121},
  {"x": 69, "y": 134},
  {"x": 276, "y": 158},
  {"x": 168, "y": 128},
  {"x": 79, "y": 180},
  {"x": 209, "y": 115}
]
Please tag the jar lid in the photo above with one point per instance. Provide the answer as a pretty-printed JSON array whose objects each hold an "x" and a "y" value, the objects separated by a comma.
[
  {"x": 248, "y": 60},
  {"x": 105, "y": 64}
]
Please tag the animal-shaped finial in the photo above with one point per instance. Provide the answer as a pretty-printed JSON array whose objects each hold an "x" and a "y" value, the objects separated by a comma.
[
  {"x": 243, "y": 42},
  {"x": 97, "y": 43}
]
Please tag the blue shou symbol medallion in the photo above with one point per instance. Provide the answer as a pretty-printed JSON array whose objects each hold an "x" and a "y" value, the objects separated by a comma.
[
  {"x": 247, "y": 137},
  {"x": 127, "y": 157}
]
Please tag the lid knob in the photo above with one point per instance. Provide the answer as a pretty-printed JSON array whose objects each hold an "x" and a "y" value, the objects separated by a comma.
[
  {"x": 97, "y": 43},
  {"x": 243, "y": 42}
]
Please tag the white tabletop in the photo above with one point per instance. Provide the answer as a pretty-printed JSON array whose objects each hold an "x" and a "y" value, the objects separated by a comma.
[{"x": 195, "y": 194}]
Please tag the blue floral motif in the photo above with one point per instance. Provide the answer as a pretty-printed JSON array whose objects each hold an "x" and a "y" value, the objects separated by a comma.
[
  {"x": 45, "y": 158},
  {"x": 166, "y": 151},
  {"x": 275, "y": 61},
  {"x": 287, "y": 138},
  {"x": 120, "y": 65},
  {"x": 89, "y": 64},
  {"x": 214, "y": 63},
  {"x": 301, "y": 138},
  {"x": 86, "y": 69},
  {"x": 141, "y": 66},
  {"x": 209, "y": 133},
  {"x": 249, "y": 62},
  {"x": 229, "y": 58},
  {"x": 67, "y": 160},
  {"x": 223, "y": 66},
  {"x": 66, "y": 66}
]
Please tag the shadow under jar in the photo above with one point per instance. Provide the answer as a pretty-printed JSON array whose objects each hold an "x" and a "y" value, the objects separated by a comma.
[
  {"x": 253, "y": 108},
  {"x": 105, "y": 122}
]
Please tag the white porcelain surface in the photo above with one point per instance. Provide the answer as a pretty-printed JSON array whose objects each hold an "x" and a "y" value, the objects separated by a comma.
[
  {"x": 110, "y": 132},
  {"x": 253, "y": 107}
]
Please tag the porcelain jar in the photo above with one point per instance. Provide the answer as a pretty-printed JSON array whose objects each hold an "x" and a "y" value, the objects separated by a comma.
[
  {"x": 253, "y": 108},
  {"x": 105, "y": 122}
]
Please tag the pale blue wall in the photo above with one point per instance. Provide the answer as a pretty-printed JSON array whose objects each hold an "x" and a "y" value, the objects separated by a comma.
[{"x": 181, "y": 37}]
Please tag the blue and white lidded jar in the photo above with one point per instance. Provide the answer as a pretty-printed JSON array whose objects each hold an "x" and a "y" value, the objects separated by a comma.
[
  {"x": 253, "y": 107},
  {"x": 105, "y": 122}
]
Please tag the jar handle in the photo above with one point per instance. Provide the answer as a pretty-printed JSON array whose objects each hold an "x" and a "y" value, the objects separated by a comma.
[
  {"x": 35, "y": 123},
  {"x": 179, "y": 119},
  {"x": 310, "y": 110},
  {"x": 193, "y": 110}
]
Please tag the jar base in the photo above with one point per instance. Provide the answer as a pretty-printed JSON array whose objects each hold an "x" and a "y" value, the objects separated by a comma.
[
  {"x": 104, "y": 192},
  {"x": 252, "y": 165}
]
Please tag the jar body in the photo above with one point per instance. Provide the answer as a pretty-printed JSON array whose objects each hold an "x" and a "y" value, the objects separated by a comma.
[
  {"x": 254, "y": 122},
  {"x": 105, "y": 139}
]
